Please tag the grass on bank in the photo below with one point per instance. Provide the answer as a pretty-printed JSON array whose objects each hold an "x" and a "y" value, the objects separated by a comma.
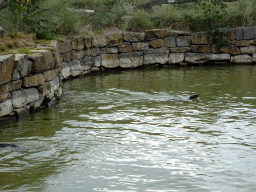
[{"x": 49, "y": 18}]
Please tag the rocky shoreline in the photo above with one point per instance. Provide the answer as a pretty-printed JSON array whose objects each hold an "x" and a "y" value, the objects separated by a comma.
[{"x": 28, "y": 82}]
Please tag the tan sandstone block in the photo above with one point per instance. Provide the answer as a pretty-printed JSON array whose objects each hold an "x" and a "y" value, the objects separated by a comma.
[
  {"x": 50, "y": 75},
  {"x": 201, "y": 38},
  {"x": 231, "y": 50},
  {"x": 3, "y": 92},
  {"x": 110, "y": 60},
  {"x": 114, "y": 38},
  {"x": 14, "y": 85},
  {"x": 155, "y": 33},
  {"x": 125, "y": 48},
  {"x": 6, "y": 67},
  {"x": 201, "y": 48},
  {"x": 34, "y": 80},
  {"x": 78, "y": 43},
  {"x": 157, "y": 43},
  {"x": 42, "y": 61},
  {"x": 140, "y": 46}
]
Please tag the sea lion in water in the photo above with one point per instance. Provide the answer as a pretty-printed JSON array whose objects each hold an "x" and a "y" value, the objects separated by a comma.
[
  {"x": 193, "y": 96},
  {"x": 3, "y": 145}
]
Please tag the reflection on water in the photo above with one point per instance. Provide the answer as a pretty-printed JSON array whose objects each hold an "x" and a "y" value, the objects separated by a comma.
[{"x": 122, "y": 132}]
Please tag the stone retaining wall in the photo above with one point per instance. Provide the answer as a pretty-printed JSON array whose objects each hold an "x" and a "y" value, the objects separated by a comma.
[{"x": 28, "y": 82}]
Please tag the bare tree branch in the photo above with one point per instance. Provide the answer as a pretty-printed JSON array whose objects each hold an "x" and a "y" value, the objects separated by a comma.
[{"x": 158, "y": 2}]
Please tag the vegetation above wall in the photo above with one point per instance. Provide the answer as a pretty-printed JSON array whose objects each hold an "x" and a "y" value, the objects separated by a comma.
[{"x": 51, "y": 18}]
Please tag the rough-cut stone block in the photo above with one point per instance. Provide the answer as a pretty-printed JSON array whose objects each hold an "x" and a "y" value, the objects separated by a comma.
[
  {"x": 97, "y": 62},
  {"x": 50, "y": 96},
  {"x": 50, "y": 75},
  {"x": 247, "y": 50},
  {"x": 95, "y": 51},
  {"x": 109, "y": 50},
  {"x": 45, "y": 89},
  {"x": 239, "y": 33},
  {"x": 35, "y": 105},
  {"x": 170, "y": 42},
  {"x": 125, "y": 48},
  {"x": 220, "y": 57},
  {"x": 241, "y": 59},
  {"x": 88, "y": 62},
  {"x": 110, "y": 60},
  {"x": 21, "y": 66},
  {"x": 249, "y": 32},
  {"x": 64, "y": 46},
  {"x": 157, "y": 43},
  {"x": 177, "y": 33},
  {"x": 233, "y": 50},
  {"x": 201, "y": 48},
  {"x": 254, "y": 58},
  {"x": 65, "y": 70},
  {"x": 4, "y": 92},
  {"x": 241, "y": 43},
  {"x": 21, "y": 113},
  {"x": 130, "y": 60},
  {"x": 73, "y": 55},
  {"x": 75, "y": 73},
  {"x": 133, "y": 37},
  {"x": 18, "y": 99},
  {"x": 80, "y": 54},
  {"x": 253, "y": 42},
  {"x": 99, "y": 41},
  {"x": 14, "y": 85},
  {"x": 67, "y": 56},
  {"x": 198, "y": 58},
  {"x": 245, "y": 33},
  {"x": 42, "y": 61},
  {"x": 60, "y": 58},
  {"x": 114, "y": 38},
  {"x": 232, "y": 34},
  {"x": 78, "y": 43},
  {"x": 48, "y": 88},
  {"x": 6, "y": 68},
  {"x": 155, "y": 33},
  {"x": 87, "y": 42},
  {"x": 156, "y": 56},
  {"x": 183, "y": 41},
  {"x": 88, "y": 52},
  {"x": 59, "y": 92},
  {"x": 140, "y": 46},
  {"x": 180, "y": 49},
  {"x": 55, "y": 84},
  {"x": 75, "y": 65},
  {"x": 201, "y": 38},
  {"x": 215, "y": 49},
  {"x": 5, "y": 108},
  {"x": 34, "y": 80},
  {"x": 176, "y": 58},
  {"x": 31, "y": 95}
]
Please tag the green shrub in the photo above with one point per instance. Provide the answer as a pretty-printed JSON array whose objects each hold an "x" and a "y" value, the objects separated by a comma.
[{"x": 9, "y": 45}]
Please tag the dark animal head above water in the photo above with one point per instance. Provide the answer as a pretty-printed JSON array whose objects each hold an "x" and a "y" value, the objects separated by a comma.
[
  {"x": 7, "y": 145},
  {"x": 193, "y": 96}
]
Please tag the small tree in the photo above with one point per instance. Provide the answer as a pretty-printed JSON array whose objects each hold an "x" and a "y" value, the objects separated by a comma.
[
  {"x": 213, "y": 12},
  {"x": 19, "y": 8}
]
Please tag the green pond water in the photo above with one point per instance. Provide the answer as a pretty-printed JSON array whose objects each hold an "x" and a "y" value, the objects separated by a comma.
[{"x": 120, "y": 131}]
